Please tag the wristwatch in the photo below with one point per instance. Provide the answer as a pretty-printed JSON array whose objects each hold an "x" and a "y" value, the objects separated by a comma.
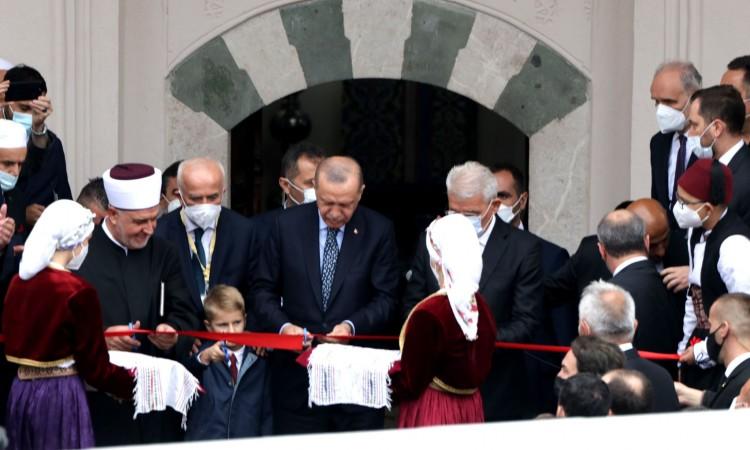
[{"x": 39, "y": 133}]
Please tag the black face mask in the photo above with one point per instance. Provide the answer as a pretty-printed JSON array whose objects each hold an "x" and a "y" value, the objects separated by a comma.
[
  {"x": 712, "y": 347},
  {"x": 559, "y": 382}
]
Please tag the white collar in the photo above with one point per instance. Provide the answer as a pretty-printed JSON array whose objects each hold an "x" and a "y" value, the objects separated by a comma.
[
  {"x": 520, "y": 225},
  {"x": 626, "y": 346},
  {"x": 628, "y": 262},
  {"x": 727, "y": 157},
  {"x": 111, "y": 237},
  {"x": 736, "y": 362}
]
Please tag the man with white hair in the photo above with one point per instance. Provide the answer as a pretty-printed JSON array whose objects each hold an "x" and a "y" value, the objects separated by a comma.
[
  {"x": 214, "y": 243},
  {"x": 607, "y": 311},
  {"x": 511, "y": 282},
  {"x": 140, "y": 284}
]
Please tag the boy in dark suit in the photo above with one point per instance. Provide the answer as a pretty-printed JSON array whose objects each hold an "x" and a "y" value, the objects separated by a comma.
[{"x": 237, "y": 402}]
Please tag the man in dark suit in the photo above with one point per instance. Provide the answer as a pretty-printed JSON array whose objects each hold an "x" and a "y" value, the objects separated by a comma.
[
  {"x": 510, "y": 282},
  {"x": 608, "y": 312},
  {"x": 540, "y": 366},
  {"x": 622, "y": 244},
  {"x": 298, "y": 167},
  {"x": 729, "y": 319},
  {"x": 214, "y": 244},
  {"x": 717, "y": 116},
  {"x": 328, "y": 268},
  {"x": 671, "y": 152},
  {"x": 738, "y": 75},
  {"x": 566, "y": 285}
]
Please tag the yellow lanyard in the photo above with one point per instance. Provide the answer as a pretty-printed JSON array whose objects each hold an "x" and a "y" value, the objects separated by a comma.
[{"x": 192, "y": 244}]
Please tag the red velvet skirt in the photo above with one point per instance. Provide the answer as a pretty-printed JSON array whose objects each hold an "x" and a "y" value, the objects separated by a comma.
[{"x": 435, "y": 407}]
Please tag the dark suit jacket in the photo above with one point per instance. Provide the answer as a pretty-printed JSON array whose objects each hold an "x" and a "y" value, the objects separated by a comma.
[
  {"x": 727, "y": 390},
  {"x": 740, "y": 167},
  {"x": 564, "y": 286},
  {"x": 653, "y": 309},
  {"x": 662, "y": 386},
  {"x": 363, "y": 291},
  {"x": 511, "y": 282},
  {"x": 232, "y": 258}
]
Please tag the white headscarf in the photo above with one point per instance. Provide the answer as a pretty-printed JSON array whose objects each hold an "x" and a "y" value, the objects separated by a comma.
[
  {"x": 62, "y": 226},
  {"x": 453, "y": 244}
]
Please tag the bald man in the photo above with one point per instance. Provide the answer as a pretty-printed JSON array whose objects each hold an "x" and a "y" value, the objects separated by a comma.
[
  {"x": 333, "y": 263},
  {"x": 622, "y": 245},
  {"x": 566, "y": 285},
  {"x": 214, "y": 243},
  {"x": 729, "y": 321}
]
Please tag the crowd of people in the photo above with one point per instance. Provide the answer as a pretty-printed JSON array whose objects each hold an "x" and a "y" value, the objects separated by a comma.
[{"x": 152, "y": 250}]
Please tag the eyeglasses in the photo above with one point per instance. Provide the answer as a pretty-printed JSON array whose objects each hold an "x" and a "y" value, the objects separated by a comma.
[{"x": 683, "y": 203}]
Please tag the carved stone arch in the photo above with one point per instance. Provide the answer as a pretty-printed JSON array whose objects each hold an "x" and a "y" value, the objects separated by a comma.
[{"x": 471, "y": 53}]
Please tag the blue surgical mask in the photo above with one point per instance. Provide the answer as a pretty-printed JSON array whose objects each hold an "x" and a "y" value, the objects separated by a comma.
[
  {"x": 24, "y": 119},
  {"x": 7, "y": 181},
  {"x": 476, "y": 221}
]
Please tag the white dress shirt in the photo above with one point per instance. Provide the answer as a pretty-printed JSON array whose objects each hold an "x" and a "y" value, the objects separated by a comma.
[
  {"x": 205, "y": 240},
  {"x": 486, "y": 235},
  {"x": 734, "y": 272}
]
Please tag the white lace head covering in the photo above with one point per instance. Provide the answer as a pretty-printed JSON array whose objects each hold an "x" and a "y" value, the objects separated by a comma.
[
  {"x": 63, "y": 225},
  {"x": 453, "y": 245}
]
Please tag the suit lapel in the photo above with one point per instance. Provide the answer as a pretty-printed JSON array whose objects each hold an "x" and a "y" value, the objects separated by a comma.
[
  {"x": 350, "y": 247},
  {"x": 738, "y": 160},
  {"x": 494, "y": 250},
  {"x": 311, "y": 245}
]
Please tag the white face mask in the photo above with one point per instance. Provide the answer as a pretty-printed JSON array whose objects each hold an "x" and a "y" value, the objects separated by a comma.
[
  {"x": 670, "y": 119},
  {"x": 173, "y": 205},
  {"x": 694, "y": 143},
  {"x": 77, "y": 261},
  {"x": 308, "y": 195},
  {"x": 204, "y": 215},
  {"x": 505, "y": 212},
  {"x": 687, "y": 217}
]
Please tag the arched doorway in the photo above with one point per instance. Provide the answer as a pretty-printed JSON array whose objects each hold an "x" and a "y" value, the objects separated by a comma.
[
  {"x": 406, "y": 135},
  {"x": 482, "y": 57}
]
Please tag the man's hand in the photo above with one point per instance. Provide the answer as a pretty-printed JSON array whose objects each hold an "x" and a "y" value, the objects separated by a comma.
[
  {"x": 33, "y": 212},
  {"x": 341, "y": 330},
  {"x": 688, "y": 356},
  {"x": 41, "y": 108},
  {"x": 212, "y": 354},
  {"x": 687, "y": 395},
  {"x": 261, "y": 352},
  {"x": 7, "y": 226},
  {"x": 123, "y": 343},
  {"x": 676, "y": 278},
  {"x": 164, "y": 341},
  {"x": 294, "y": 330}
]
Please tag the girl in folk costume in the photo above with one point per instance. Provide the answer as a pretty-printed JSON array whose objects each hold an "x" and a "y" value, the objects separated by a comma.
[
  {"x": 448, "y": 339},
  {"x": 53, "y": 329}
]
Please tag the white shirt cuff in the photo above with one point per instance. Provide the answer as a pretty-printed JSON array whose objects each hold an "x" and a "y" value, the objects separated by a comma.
[{"x": 351, "y": 324}]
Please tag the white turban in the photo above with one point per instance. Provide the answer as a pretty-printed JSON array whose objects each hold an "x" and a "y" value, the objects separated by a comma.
[
  {"x": 12, "y": 134},
  {"x": 133, "y": 186},
  {"x": 62, "y": 226},
  {"x": 5, "y": 64},
  {"x": 453, "y": 244}
]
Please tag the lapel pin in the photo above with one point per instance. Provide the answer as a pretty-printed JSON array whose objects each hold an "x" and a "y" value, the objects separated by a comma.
[{"x": 356, "y": 231}]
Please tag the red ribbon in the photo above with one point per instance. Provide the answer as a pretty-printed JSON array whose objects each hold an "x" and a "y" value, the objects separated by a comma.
[{"x": 286, "y": 342}]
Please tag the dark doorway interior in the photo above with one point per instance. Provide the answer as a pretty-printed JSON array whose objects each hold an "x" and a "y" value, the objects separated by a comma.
[{"x": 406, "y": 136}]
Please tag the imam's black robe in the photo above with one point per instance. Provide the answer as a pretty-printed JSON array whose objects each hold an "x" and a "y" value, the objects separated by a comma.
[{"x": 129, "y": 289}]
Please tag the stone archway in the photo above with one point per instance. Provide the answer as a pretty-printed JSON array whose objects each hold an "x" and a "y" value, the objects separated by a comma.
[{"x": 494, "y": 63}]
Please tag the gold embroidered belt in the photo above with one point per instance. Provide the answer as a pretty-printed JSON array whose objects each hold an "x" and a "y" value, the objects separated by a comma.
[
  {"x": 36, "y": 373},
  {"x": 440, "y": 385}
]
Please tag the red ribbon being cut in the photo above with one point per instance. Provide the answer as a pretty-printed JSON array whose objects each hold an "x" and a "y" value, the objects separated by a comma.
[{"x": 287, "y": 342}]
